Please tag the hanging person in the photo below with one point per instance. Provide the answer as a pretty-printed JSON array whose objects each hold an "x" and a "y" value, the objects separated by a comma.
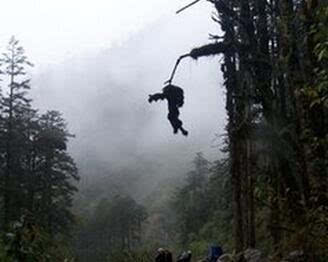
[{"x": 175, "y": 98}]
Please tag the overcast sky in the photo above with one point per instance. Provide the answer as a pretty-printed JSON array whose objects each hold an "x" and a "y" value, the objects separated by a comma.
[{"x": 51, "y": 30}]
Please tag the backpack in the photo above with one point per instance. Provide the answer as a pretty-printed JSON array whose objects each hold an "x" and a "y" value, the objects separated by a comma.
[
  {"x": 175, "y": 93},
  {"x": 214, "y": 253}
]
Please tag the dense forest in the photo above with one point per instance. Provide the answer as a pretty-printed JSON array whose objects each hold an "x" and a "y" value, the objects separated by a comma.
[
  {"x": 263, "y": 198},
  {"x": 37, "y": 173}
]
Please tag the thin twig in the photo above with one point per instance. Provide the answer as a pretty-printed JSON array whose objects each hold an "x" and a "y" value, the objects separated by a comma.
[
  {"x": 215, "y": 37},
  {"x": 187, "y": 6},
  {"x": 175, "y": 68}
]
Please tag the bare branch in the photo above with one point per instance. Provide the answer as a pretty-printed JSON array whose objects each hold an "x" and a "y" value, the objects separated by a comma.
[
  {"x": 175, "y": 68},
  {"x": 187, "y": 6},
  {"x": 215, "y": 37},
  {"x": 206, "y": 50}
]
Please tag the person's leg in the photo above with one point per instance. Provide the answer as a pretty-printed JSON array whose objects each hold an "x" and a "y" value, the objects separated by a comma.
[
  {"x": 184, "y": 131},
  {"x": 175, "y": 122}
]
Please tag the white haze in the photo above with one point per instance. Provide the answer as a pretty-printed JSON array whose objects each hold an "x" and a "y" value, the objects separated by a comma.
[
  {"x": 98, "y": 61},
  {"x": 54, "y": 30}
]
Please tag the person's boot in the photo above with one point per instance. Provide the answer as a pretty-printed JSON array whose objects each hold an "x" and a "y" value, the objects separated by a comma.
[{"x": 183, "y": 131}]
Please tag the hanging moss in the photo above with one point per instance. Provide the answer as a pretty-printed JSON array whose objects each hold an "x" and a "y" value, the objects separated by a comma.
[{"x": 208, "y": 50}]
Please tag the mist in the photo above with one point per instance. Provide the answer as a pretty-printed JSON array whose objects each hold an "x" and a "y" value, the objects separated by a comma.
[{"x": 103, "y": 96}]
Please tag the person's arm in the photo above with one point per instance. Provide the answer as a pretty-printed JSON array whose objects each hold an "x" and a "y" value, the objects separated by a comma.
[{"x": 156, "y": 97}]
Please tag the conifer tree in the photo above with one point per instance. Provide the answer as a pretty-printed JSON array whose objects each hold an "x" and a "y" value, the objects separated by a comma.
[
  {"x": 37, "y": 172},
  {"x": 14, "y": 105},
  {"x": 55, "y": 173}
]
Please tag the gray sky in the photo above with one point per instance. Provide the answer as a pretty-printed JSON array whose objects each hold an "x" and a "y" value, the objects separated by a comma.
[{"x": 52, "y": 30}]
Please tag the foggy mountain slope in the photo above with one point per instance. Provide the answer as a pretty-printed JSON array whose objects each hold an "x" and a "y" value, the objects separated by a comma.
[{"x": 103, "y": 96}]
